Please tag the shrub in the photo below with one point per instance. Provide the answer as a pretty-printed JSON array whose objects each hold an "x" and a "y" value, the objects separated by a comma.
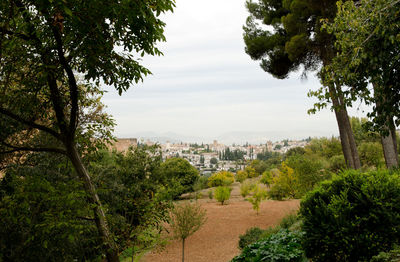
[
  {"x": 337, "y": 163},
  {"x": 246, "y": 187},
  {"x": 210, "y": 194},
  {"x": 250, "y": 171},
  {"x": 266, "y": 178},
  {"x": 252, "y": 235},
  {"x": 390, "y": 256},
  {"x": 201, "y": 183},
  {"x": 353, "y": 217},
  {"x": 222, "y": 194},
  {"x": 289, "y": 220},
  {"x": 241, "y": 176},
  {"x": 259, "y": 193},
  {"x": 284, "y": 185},
  {"x": 282, "y": 246},
  {"x": 222, "y": 178}
]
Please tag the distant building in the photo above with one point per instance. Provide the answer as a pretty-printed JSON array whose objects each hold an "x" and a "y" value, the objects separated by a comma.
[{"x": 122, "y": 144}]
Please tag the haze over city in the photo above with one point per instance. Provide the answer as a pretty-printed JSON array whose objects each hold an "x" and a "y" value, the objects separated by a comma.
[{"x": 206, "y": 87}]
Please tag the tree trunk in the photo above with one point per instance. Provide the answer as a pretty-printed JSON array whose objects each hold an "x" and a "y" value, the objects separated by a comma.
[
  {"x": 389, "y": 151},
  {"x": 101, "y": 223},
  {"x": 349, "y": 147},
  {"x": 183, "y": 250},
  {"x": 389, "y": 142}
]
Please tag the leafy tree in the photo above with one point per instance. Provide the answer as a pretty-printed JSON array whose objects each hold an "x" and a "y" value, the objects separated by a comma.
[
  {"x": 284, "y": 184},
  {"x": 186, "y": 219},
  {"x": 259, "y": 193},
  {"x": 285, "y": 34},
  {"x": 368, "y": 44},
  {"x": 222, "y": 194},
  {"x": 241, "y": 175},
  {"x": 45, "y": 46},
  {"x": 213, "y": 161},
  {"x": 134, "y": 193},
  {"x": 180, "y": 171},
  {"x": 221, "y": 178}
]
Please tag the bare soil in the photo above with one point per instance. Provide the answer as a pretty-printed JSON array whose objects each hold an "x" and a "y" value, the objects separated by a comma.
[{"x": 217, "y": 240}]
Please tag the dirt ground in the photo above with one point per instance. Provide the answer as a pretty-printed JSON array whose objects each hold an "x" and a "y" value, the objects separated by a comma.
[{"x": 217, "y": 240}]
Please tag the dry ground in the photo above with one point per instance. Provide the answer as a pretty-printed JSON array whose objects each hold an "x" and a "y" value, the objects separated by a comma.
[{"x": 217, "y": 240}]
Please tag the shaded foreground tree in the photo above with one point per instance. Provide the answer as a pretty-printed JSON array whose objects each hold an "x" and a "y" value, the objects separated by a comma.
[
  {"x": 45, "y": 47},
  {"x": 285, "y": 35},
  {"x": 367, "y": 40}
]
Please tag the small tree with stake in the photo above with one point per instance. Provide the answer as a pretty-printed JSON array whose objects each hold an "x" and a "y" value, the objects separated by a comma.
[{"x": 186, "y": 219}]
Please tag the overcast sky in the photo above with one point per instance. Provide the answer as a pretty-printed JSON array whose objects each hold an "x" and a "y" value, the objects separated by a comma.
[{"x": 206, "y": 86}]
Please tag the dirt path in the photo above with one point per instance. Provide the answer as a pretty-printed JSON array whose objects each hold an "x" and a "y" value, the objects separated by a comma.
[{"x": 217, "y": 240}]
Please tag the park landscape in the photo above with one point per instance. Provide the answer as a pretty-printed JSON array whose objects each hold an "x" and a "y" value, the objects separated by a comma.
[{"x": 66, "y": 193}]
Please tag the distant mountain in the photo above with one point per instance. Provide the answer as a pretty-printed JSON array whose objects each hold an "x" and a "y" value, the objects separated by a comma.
[{"x": 229, "y": 138}]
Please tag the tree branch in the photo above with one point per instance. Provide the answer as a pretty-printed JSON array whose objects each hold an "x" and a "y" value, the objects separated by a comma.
[
  {"x": 33, "y": 149},
  {"x": 30, "y": 123},
  {"x": 19, "y": 35},
  {"x": 73, "y": 87}
]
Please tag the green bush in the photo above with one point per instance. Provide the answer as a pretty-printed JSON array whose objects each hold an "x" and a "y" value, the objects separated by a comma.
[
  {"x": 252, "y": 235},
  {"x": 245, "y": 188},
  {"x": 284, "y": 184},
  {"x": 222, "y": 194},
  {"x": 289, "y": 220},
  {"x": 352, "y": 217},
  {"x": 390, "y": 256},
  {"x": 210, "y": 194},
  {"x": 259, "y": 193},
  {"x": 255, "y": 234},
  {"x": 282, "y": 246},
  {"x": 266, "y": 177},
  {"x": 241, "y": 175},
  {"x": 221, "y": 178}
]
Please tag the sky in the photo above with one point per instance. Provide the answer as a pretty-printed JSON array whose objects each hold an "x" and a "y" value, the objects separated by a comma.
[{"x": 206, "y": 87}]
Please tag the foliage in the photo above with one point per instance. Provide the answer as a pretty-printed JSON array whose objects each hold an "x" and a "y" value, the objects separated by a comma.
[
  {"x": 201, "y": 182},
  {"x": 221, "y": 178},
  {"x": 252, "y": 235},
  {"x": 213, "y": 161},
  {"x": 55, "y": 52},
  {"x": 234, "y": 155},
  {"x": 44, "y": 213},
  {"x": 250, "y": 171},
  {"x": 352, "y": 217},
  {"x": 307, "y": 173},
  {"x": 210, "y": 194},
  {"x": 258, "y": 166},
  {"x": 259, "y": 193},
  {"x": 371, "y": 154},
  {"x": 241, "y": 175},
  {"x": 282, "y": 246},
  {"x": 182, "y": 171},
  {"x": 289, "y": 220},
  {"x": 186, "y": 219},
  {"x": 284, "y": 185},
  {"x": 266, "y": 178},
  {"x": 246, "y": 187},
  {"x": 337, "y": 163},
  {"x": 222, "y": 194},
  {"x": 255, "y": 234},
  {"x": 369, "y": 53},
  {"x": 391, "y": 256},
  {"x": 134, "y": 193}
]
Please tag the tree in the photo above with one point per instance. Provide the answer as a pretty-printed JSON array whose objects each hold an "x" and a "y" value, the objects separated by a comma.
[
  {"x": 186, "y": 219},
  {"x": 259, "y": 193},
  {"x": 213, "y": 161},
  {"x": 45, "y": 46},
  {"x": 182, "y": 172},
  {"x": 293, "y": 38},
  {"x": 368, "y": 55},
  {"x": 222, "y": 194}
]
